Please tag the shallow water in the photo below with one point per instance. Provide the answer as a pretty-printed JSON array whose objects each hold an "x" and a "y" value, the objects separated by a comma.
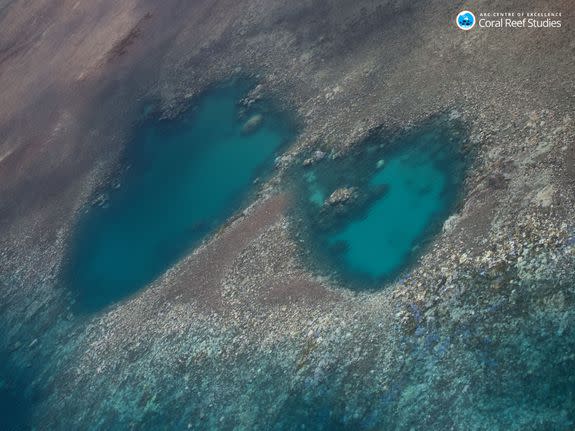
[
  {"x": 501, "y": 360},
  {"x": 405, "y": 186},
  {"x": 179, "y": 181}
]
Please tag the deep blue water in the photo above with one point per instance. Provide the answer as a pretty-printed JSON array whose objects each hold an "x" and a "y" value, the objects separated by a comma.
[
  {"x": 405, "y": 185},
  {"x": 14, "y": 406},
  {"x": 179, "y": 181}
]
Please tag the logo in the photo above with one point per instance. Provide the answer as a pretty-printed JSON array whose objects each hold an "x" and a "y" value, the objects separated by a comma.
[{"x": 465, "y": 20}]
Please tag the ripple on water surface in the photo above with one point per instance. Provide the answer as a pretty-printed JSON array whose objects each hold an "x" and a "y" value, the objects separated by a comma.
[{"x": 180, "y": 179}]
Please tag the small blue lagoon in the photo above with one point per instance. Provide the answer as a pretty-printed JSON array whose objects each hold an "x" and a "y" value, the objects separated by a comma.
[
  {"x": 179, "y": 180},
  {"x": 368, "y": 213}
]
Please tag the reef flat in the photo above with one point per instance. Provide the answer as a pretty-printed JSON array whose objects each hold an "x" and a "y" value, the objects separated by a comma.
[{"x": 478, "y": 333}]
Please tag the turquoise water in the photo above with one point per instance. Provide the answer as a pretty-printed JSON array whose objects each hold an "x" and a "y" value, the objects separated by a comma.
[
  {"x": 379, "y": 243},
  {"x": 179, "y": 181},
  {"x": 490, "y": 359},
  {"x": 405, "y": 186}
]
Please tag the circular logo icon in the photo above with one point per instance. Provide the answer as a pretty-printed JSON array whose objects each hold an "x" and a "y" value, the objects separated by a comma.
[{"x": 465, "y": 20}]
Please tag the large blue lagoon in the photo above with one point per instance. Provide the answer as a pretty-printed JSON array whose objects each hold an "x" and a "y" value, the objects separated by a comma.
[
  {"x": 370, "y": 212},
  {"x": 180, "y": 179}
]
